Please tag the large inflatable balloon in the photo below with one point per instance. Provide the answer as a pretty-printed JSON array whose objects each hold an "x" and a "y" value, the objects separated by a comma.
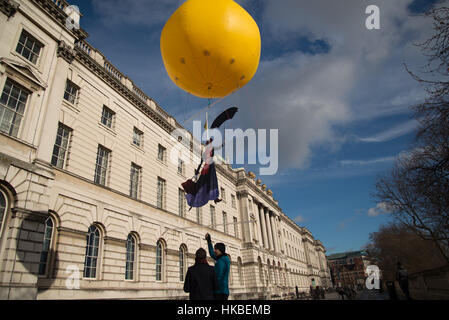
[{"x": 210, "y": 48}]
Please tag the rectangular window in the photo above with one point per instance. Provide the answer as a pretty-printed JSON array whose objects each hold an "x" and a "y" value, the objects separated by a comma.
[
  {"x": 223, "y": 195},
  {"x": 225, "y": 222},
  {"x": 101, "y": 167},
  {"x": 138, "y": 137},
  {"x": 236, "y": 227},
  {"x": 61, "y": 147},
  {"x": 250, "y": 204},
  {"x": 107, "y": 117},
  {"x": 180, "y": 166},
  {"x": 234, "y": 205},
  {"x": 161, "y": 153},
  {"x": 135, "y": 178},
  {"x": 212, "y": 216},
  {"x": 181, "y": 203},
  {"x": 198, "y": 216},
  {"x": 160, "y": 193},
  {"x": 29, "y": 47},
  {"x": 70, "y": 92},
  {"x": 12, "y": 107}
]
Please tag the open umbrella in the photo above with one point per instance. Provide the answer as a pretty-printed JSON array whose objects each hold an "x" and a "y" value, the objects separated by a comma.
[{"x": 225, "y": 115}]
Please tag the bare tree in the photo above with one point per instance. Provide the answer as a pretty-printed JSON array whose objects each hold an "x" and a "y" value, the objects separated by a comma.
[
  {"x": 397, "y": 242},
  {"x": 416, "y": 191}
]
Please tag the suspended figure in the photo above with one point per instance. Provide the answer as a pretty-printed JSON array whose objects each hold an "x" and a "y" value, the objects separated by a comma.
[
  {"x": 211, "y": 49},
  {"x": 206, "y": 187}
]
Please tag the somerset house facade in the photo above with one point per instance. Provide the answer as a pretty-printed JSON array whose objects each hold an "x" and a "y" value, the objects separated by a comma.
[{"x": 88, "y": 192}]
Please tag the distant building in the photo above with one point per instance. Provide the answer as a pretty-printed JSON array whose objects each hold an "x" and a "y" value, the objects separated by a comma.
[{"x": 348, "y": 268}]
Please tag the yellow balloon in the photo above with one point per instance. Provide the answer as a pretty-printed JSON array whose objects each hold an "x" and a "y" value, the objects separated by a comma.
[{"x": 210, "y": 48}]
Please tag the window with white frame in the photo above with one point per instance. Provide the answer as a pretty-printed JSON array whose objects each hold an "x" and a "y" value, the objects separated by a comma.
[
  {"x": 92, "y": 252},
  {"x": 182, "y": 262},
  {"x": 130, "y": 257},
  {"x": 212, "y": 216},
  {"x": 234, "y": 205},
  {"x": 107, "y": 117},
  {"x": 160, "y": 193},
  {"x": 71, "y": 90},
  {"x": 135, "y": 178},
  {"x": 12, "y": 107},
  {"x": 46, "y": 246},
  {"x": 29, "y": 47},
  {"x": 101, "y": 167},
  {"x": 181, "y": 202},
  {"x": 61, "y": 146},
  {"x": 137, "y": 137},
  {"x": 159, "y": 260},
  {"x": 225, "y": 222},
  {"x": 161, "y": 153}
]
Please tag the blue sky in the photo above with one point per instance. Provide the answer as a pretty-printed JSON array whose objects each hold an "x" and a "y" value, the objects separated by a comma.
[{"x": 337, "y": 92}]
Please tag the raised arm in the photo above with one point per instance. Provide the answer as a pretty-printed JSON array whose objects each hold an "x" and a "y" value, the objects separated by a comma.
[{"x": 211, "y": 249}]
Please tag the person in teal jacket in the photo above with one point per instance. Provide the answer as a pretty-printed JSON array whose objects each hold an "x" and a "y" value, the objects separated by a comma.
[{"x": 222, "y": 267}]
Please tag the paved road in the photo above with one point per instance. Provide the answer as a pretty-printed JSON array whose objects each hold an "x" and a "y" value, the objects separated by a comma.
[
  {"x": 372, "y": 295},
  {"x": 361, "y": 295}
]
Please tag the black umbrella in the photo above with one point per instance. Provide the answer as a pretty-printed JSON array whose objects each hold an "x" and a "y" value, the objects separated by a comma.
[{"x": 225, "y": 115}]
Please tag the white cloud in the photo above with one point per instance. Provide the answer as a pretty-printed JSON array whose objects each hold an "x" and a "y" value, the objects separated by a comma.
[
  {"x": 380, "y": 208},
  {"x": 299, "y": 219},
  {"x": 367, "y": 162},
  {"x": 361, "y": 77},
  {"x": 392, "y": 133}
]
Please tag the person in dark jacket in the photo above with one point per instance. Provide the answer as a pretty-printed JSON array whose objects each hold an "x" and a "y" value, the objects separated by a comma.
[
  {"x": 201, "y": 281},
  {"x": 222, "y": 267}
]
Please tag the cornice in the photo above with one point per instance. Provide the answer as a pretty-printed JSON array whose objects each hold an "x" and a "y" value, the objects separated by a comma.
[
  {"x": 246, "y": 182},
  {"x": 99, "y": 70},
  {"x": 60, "y": 17},
  {"x": 9, "y": 7}
]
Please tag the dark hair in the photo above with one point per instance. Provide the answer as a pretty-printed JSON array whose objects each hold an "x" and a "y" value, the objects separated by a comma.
[
  {"x": 200, "y": 253},
  {"x": 220, "y": 246}
]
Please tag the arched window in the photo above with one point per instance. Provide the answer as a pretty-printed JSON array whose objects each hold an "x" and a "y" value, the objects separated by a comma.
[
  {"x": 240, "y": 269},
  {"x": 3, "y": 208},
  {"x": 159, "y": 260},
  {"x": 92, "y": 251},
  {"x": 46, "y": 246},
  {"x": 130, "y": 257},
  {"x": 182, "y": 262}
]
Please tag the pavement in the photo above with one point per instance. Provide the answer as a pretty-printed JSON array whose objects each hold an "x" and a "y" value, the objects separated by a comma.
[{"x": 361, "y": 295}]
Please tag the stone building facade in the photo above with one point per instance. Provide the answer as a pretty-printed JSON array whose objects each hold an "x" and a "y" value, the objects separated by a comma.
[
  {"x": 348, "y": 268},
  {"x": 89, "y": 191}
]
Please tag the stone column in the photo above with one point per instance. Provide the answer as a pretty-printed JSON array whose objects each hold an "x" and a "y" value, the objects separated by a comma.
[
  {"x": 276, "y": 232},
  {"x": 270, "y": 236},
  {"x": 273, "y": 230},
  {"x": 245, "y": 218},
  {"x": 53, "y": 104},
  {"x": 264, "y": 229}
]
